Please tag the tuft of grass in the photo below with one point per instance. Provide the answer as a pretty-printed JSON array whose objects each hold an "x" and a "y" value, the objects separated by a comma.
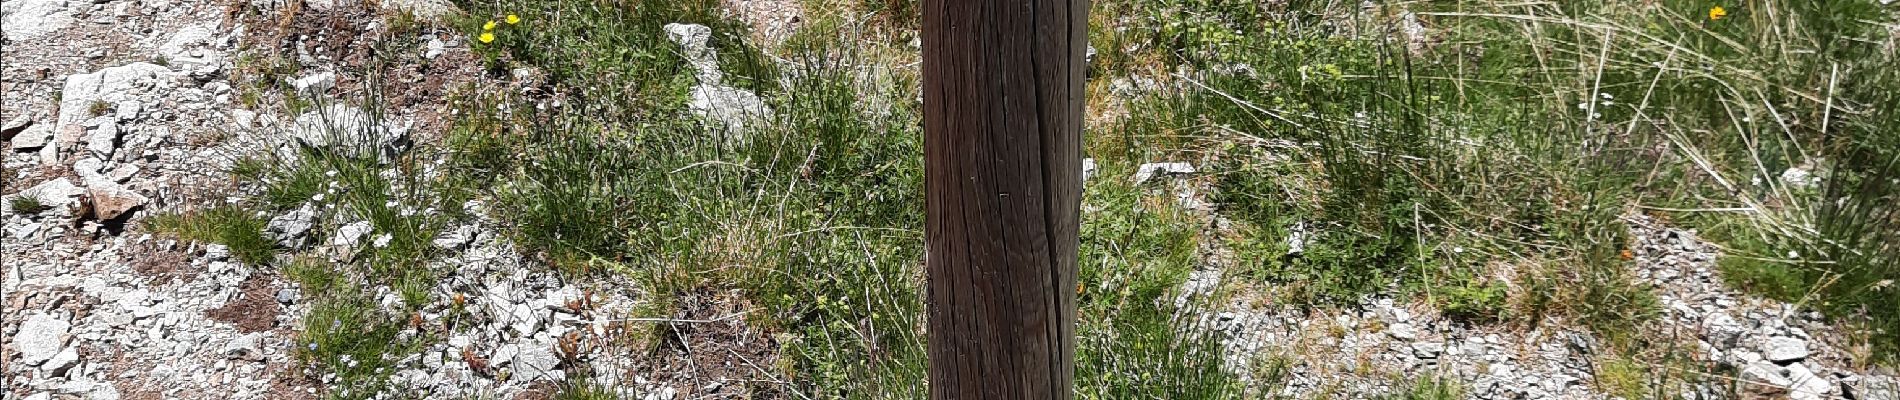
[
  {"x": 1137, "y": 249},
  {"x": 98, "y": 108},
  {"x": 1433, "y": 388},
  {"x": 26, "y": 204},
  {"x": 237, "y": 228}
]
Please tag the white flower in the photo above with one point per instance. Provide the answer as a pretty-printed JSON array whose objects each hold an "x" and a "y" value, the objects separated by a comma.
[
  {"x": 330, "y": 173},
  {"x": 317, "y": 198},
  {"x": 383, "y": 240}
]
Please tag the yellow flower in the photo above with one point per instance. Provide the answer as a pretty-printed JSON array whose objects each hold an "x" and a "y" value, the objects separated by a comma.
[
  {"x": 512, "y": 19},
  {"x": 487, "y": 37},
  {"x": 1717, "y": 13},
  {"x": 489, "y": 26}
]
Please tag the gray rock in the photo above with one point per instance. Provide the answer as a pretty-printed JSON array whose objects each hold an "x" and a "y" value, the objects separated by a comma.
[
  {"x": 728, "y": 107},
  {"x": 455, "y": 239},
  {"x": 28, "y": 19},
  {"x": 504, "y": 354},
  {"x": 349, "y": 129},
  {"x": 1783, "y": 349},
  {"x": 536, "y": 361},
  {"x": 33, "y": 137},
  {"x": 315, "y": 84},
  {"x": 1765, "y": 373},
  {"x": 1877, "y": 388},
  {"x": 1428, "y": 349},
  {"x": 124, "y": 172},
  {"x": 60, "y": 363},
  {"x": 110, "y": 85},
  {"x": 111, "y": 200},
  {"x": 16, "y": 125},
  {"x": 1152, "y": 170},
  {"x": 103, "y": 139},
  {"x": 1805, "y": 385},
  {"x": 351, "y": 234},
  {"x": 127, "y": 110},
  {"x": 292, "y": 229},
  {"x": 434, "y": 48},
  {"x": 244, "y": 347},
  {"x": 217, "y": 252},
  {"x": 424, "y": 9},
  {"x": 1402, "y": 331},
  {"x": 60, "y": 195},
  {"x": 693, "y": 40},
  {"x": 287, "y": 295},
  {"x": 1799, "y": 178},
  {"x": 723, "y": 106},
  {"x": 193, "y": 50},
  {"x": 40, "y": 338}
]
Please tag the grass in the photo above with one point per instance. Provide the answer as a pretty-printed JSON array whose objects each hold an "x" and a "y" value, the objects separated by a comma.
[
  {"x": 26, "y": 204},
  {"x": 237, "y": 228},
  {"x": 1485, "y": 170},
  {"x": 1431, "y": 388},
  {"x": 816, "y": 217}
]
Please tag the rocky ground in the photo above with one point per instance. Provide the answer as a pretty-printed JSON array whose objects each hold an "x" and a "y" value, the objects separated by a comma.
[
  {"x": 1779, "y": 350},
  {"x": 120, "y": 110},
  {"x": 117, "y": 110}
]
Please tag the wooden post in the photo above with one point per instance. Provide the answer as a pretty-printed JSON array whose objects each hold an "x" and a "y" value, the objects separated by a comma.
[{"x": 1003, "y": 141}]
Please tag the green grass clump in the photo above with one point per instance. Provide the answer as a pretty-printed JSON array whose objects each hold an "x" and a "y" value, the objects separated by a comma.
[
  {"x": 354, "y": 339},
  {"x": 237, "y": 228},
  {"x": 26, "y": 204},
  {"x": 1137, "y": 250},
  {"x": 1431, "y": 388}
]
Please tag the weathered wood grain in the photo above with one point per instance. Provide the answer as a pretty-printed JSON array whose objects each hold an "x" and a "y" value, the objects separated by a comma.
[{"x": 1002, "y": 124}]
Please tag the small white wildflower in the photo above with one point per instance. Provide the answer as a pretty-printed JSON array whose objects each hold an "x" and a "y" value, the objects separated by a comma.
[
  {"x": 390, "y": 204},
  {"x": 1606, "y": 95},
  {"x": 330, "y": 173},
  {"x": 1583, "y": 105},
  {"x": 1794, "y": 255},
  {"x": 317, "y": 198},
  {"x": 1607, "y": 103},
  {"x": 383, "y": 240}
]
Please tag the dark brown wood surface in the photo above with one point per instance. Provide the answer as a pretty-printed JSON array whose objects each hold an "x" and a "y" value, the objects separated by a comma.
[{"x": 1003, "y": 139}]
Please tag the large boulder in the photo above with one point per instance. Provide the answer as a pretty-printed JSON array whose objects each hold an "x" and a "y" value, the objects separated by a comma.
[
  {"x": 728, "y": 107},
  {"x": 197, "y": 50},
  {"x": 41, "y": 337},
  {"x": 30, "y": 19},
  {"x": 111, "y": 200},
  {"x": 84, "y": 95},
  {"x": 58, "y": 195},
  {"x": 723, "y": 107}
]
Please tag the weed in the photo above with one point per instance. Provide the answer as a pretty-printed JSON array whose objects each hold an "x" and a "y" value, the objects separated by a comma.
[
  {"x": 1138, "y": 249},
  {"x": 24, "y": 204},
  {"x": 98, "y": 108},
  {"x": 1433, "y": 388},
  {"x": 239, "y": 229}
]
